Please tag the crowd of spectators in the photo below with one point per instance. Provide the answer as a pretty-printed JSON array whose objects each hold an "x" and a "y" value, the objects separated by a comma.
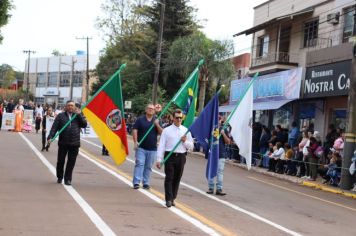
[{"x": 296, "y": 152}]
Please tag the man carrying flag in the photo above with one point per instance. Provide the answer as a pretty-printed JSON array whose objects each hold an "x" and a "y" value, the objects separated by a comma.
[
  {"x": 145, "y": 152},
  {"x": 206, "y": 131},
  {"x": 69, "y": 140},
  {"x": 174, "y": 166}
]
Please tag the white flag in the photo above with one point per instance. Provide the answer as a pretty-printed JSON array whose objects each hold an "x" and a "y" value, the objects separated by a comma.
[{"x": 241, "y": 126}]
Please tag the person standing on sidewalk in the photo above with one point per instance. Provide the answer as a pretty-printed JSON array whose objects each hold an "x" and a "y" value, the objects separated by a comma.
[
  {"x": 69, "y": 140},
  {"x": 145, "y": 152},
  {"x": 49, "y": 115},
  {"x": 224, "y": 140},
  {"x": 174, "y": 166}
]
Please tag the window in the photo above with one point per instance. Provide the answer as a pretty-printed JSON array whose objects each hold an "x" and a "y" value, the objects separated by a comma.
[
  {"x": 339, "y": 118},
  {"x": 52, "y": 79},
  {"x": 263, "y": 43},
  {"x": 310, "y": 33},
  {"x": 41, "y": 80},
  {"x": 349, "y": 24},
  {"x": 39, "y": 100},
  {"x": 65, "y": 79},
  {"x": 78, "y": 78}
]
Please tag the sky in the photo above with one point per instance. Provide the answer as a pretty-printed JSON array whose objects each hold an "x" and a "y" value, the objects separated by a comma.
[{"x": 45, "y": 25}]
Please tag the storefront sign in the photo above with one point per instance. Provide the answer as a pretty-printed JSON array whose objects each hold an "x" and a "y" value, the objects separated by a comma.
[
  {"x": 327, "y": 80},
  {"x": 51, "y": 92},
  {"x": 278, "y": 86}
]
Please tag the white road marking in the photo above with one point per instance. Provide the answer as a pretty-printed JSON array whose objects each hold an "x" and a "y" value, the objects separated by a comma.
[
  {"x": 93, "y": 216},
  {"x": 226, "y": 203},
  {"x": 195, "y": 222}
]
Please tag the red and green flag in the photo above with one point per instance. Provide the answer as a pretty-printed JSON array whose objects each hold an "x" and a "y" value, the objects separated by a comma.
[{"x": 105, "y": 112}]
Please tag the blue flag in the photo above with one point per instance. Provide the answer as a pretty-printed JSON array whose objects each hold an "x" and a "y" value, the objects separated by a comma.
[{"x": 206, "y": 131}]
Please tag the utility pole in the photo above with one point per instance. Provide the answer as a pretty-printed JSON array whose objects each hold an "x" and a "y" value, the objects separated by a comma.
[
  {"x": 28, "y": 73},
  {"x": 159, "y": 52},
  {"x": 87, "y": 72},
  {"x": 350, "y": 135}
]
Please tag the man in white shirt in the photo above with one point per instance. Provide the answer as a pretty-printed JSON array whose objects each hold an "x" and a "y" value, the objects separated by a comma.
[{"x": 174, "y": 166}]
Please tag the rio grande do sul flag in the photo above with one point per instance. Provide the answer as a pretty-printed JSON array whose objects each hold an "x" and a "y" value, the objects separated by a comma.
[{"x": 106, "y": 115}]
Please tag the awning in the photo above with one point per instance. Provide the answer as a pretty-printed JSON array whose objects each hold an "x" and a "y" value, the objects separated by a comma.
[
  {"x": 274, "y": 20},
  {"x": 270, "y": 105}
]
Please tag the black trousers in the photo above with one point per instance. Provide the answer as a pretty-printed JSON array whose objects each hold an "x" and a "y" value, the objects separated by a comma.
[
  {"x": 72, "y": 152},
  {"x": 43, "y": 138},
  {"x": 173, "y": 169}
]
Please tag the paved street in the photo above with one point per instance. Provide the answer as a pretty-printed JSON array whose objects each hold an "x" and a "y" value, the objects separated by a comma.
[{"x": 102, "y": 201}]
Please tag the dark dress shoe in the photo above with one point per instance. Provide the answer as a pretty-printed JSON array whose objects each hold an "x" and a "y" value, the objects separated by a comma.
[
  {"x": 59, "y": 180},
  {"x": 43, "y": 148},
  {"x": 145, "y": 186},
  {"x": 136, "y": 186},
  {"x": 168, "y": 203},
  {"x": 220, "y": 193},
  {"x": 210, "y": 191},
  {"x": 67, "y": 182},
  {"x": 47, "y": 146}
]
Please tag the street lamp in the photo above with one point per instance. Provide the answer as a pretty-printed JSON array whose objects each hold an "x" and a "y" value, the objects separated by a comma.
[{"x": 71, "y": 77}]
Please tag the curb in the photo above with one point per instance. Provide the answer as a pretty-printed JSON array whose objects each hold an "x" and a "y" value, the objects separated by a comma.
[{"x": 292, "y": 179}]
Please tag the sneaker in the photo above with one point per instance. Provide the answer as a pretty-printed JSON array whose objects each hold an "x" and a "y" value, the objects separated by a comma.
[
  {"x": 145, "y": 186},
  {"x": 210, "y": 191},
  {"x": 219, "y": 192},
  {"x": 136, "y": 186}
]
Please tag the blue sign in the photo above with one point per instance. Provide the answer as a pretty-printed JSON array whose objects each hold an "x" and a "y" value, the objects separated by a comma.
[{"x": 276, "y": 86}]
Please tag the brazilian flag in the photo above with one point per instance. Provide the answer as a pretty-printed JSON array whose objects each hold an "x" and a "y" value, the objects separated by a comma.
[{"x": 186, "y": 99}]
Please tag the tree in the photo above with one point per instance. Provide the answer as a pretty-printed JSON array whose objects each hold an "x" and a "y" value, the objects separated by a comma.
[
  {"x": 7, "y": 76},
  {"x": 184, "y": 55},
  {"x": 5, "y": 7}
]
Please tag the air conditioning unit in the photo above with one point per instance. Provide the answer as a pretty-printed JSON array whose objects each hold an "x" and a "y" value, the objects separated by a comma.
[{"x": 333, "y": 18}]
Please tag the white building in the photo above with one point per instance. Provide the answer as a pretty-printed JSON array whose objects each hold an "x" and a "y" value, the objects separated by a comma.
[{"x": 50, "y": 78}]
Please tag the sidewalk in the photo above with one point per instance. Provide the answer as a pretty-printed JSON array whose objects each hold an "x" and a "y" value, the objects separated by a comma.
[{"x": 313, "y": 184}]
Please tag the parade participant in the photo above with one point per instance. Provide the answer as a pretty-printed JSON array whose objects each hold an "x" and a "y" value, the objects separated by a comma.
[
  {"x": 1, "y": 112},
  {"x": 19, "y": 110},
  {"x": 174, "y": 166},
  {"x": 104, "y": 151},
  {"x": 38, "y": 117},
  {"x": 49, "y": 114},
  {"x": 69, "y": 140},
  {"x": 224, "y": 139},
  {"x": 145, "y": 152}
]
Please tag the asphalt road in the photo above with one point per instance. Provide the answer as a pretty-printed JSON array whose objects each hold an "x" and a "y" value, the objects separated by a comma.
[{"x": 102, "y": 201}]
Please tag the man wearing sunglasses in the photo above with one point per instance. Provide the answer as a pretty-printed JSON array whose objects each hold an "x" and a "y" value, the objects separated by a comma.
[{"x": 174, "y": 166}]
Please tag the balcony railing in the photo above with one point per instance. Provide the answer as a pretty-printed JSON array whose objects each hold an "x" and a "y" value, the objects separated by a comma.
[{"x": 280, "y": 57}]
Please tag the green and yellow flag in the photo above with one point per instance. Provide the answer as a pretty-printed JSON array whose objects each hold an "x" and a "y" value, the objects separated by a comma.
[{"x": 187, "y": 99}]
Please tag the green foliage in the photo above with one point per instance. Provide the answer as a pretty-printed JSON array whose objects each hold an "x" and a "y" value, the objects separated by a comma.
[
  {"x": 131, "y": 29},
  {"x": 7, "y": 76},
  {"x": 185, "y": 54},
  {"x": 5, "y": 7}
]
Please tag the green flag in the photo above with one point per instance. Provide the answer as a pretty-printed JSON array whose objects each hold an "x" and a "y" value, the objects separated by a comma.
[{"x": 187, "y": 99}]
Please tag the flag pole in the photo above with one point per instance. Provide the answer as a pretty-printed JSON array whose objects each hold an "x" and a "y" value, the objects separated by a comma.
[
  {"x": 89, "y": 100},
  {"x": 235, "y": 108},
  {"x": 177, "y": 144},
  {"x": 201, "y": 62}
]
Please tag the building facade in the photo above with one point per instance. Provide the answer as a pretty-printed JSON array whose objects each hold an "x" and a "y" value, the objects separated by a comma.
[
  {"x": 54, "y": 80},
  {"x": 314, "y": 37}
]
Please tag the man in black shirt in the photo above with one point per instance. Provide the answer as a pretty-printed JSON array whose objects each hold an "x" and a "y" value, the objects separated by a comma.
[{"x": 145, "y": 152}]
